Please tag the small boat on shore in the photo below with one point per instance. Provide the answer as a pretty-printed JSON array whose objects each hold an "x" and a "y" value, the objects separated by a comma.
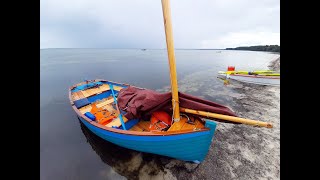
[
  {"x": 172, "y": 124},
  {"x": 110, "y": 110},
  {"x": 94, "y": 104},
  {"x": 262, "y": 77}
]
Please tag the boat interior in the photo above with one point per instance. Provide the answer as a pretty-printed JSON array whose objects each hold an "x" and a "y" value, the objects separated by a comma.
[{"x": 96, "y": 101}]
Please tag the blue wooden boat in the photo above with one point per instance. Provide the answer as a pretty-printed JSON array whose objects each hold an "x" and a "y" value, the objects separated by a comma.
[
  {"x": 187, "y": 138},
  {"x": 181, "y": 141}
]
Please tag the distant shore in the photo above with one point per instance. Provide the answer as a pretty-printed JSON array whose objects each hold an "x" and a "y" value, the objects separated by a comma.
[{"x": 268, "y": 48}]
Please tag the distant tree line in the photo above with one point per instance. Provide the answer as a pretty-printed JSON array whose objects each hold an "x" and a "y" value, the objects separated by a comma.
[{"x": 269, "y": 48}]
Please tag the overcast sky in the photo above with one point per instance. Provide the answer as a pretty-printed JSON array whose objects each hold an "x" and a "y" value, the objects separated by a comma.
[{"x": 139, "y": 23}]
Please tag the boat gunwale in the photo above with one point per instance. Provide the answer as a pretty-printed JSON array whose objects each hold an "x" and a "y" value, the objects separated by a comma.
[
  {"x": 256, "y": 76},
  {"x": 128, "y": 132}
]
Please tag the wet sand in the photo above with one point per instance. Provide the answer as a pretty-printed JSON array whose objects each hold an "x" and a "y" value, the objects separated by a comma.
[
  {"x": 241, "y": 151},
  {"x": 238, "y": 151}
]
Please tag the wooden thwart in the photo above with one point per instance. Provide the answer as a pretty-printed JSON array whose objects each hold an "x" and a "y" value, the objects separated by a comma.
[
  {"x": 74, "y": 96},
  {"x": 80, "y": 94},
  {"x": 85, "y": 94},
  {"x": 77, "y": 95},
  {"x": 117, "y": 88},
  {"x": 105, "y": 102},
  {"x": 116, "y": 122},
  {"x": 104, "y": 87},
  {"x": 92, "y": 91},
  {"x": 144, "y": 125},
  {"x": 99, "y": 105},
  {"x": 136, "y": 128},
  {"x": 141, "y": 126}
]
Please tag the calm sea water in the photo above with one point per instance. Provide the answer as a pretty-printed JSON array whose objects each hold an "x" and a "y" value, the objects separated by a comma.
[{"x": 68, "y": 150}]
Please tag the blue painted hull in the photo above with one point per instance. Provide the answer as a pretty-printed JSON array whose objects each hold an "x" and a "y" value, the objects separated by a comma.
[{"x": 188, "y": 147}]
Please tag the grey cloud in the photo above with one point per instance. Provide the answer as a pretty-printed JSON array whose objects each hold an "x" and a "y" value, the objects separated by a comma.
[{"x": 139, "y": 23}]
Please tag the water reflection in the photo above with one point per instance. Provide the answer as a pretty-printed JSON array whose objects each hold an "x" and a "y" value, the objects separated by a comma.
[
  {"x": 128, "y": 163},
  {"x": 224, "y": 80}
]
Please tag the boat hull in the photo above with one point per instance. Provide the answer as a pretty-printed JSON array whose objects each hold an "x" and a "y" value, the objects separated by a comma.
[
  {"x": 253, "y": 79},
  {"x": 188, "y": 146}
]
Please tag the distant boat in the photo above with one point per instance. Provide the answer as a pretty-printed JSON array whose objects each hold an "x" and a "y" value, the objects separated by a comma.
[
  {"x": 262, "y": 77},
  {"x": 143, "y": 49}
]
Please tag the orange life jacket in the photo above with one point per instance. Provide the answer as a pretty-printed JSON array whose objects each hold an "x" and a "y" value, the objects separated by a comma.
[{"x": 160, "y": 120}]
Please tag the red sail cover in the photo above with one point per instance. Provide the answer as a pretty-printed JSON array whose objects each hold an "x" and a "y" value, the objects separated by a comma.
[{"x": 140, "y": 103}]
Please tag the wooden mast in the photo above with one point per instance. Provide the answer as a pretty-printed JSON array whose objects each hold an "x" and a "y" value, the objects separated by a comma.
[{"x": 172, "y": 60}]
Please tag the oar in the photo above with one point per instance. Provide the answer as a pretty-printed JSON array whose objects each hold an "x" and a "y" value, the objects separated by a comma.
[
  {"x": 227, "y": 118},
  {"x": 115, "y": 100}
]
